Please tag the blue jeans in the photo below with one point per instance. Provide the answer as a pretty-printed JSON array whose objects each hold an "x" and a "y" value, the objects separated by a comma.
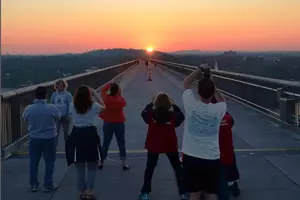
[
  {"x": 37, "y": 147},
  {"x": 223, "y": 193},
  {"x": 109, "y": 129},
  {"x": 86, "y": 182}
]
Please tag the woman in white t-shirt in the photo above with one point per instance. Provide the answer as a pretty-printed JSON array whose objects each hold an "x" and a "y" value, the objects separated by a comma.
[
  {"x": 84, "y": 141},
  {"x": 201, "y": 162}
]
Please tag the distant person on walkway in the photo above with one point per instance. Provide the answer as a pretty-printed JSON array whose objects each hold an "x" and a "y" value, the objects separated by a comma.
[
  {"x": 84, "y": 140},
  {"x": 41, "y": 119},
  {"x": 201, "y": 162},
  {"x": 62, "y": 100},
  {"x": 162, "y": 117},
  {"x": 114, "y": 120}
]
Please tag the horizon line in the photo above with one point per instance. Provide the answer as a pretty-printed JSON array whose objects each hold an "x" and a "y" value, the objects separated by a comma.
[{"x": 174, "y": 51}]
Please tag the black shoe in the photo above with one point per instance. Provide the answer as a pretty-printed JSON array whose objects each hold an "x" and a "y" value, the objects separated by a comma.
[
  {"x": 126, "y": 167},
  {"x": 50, "y": 188},
  {"x": 235, "y": 190},
  {"x": 100, "y": 167},
  {"x": 35, "y": 188}
]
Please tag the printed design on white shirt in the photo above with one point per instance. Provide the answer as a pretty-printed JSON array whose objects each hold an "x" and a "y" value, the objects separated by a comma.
[
  {"x": 59, "y": 101},
  {"x": 202, "y": 124}
]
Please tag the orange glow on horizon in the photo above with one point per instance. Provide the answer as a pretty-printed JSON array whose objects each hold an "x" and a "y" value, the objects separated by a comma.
[
  {"x": 149, "y": 49},
  {"x": 68, "y": 26}
]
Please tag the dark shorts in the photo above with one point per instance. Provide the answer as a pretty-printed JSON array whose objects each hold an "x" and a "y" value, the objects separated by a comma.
[
  {"x": 201, "y": 174},
  {"x": 87, "y": 142}
]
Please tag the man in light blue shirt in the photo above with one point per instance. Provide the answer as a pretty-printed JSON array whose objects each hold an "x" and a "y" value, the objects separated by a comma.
[{"x": 41, "y": 119}]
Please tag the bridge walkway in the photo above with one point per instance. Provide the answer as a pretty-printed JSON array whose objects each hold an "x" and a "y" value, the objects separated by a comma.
[{"x": 268, "y": 155}]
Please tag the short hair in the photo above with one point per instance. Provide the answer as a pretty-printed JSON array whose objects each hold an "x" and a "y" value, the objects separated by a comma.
[
  {"x": 83, "y": 100},
  {"x": 114, "y": 89},
  {"x": 41, "y": 92},
  {"x": 206, "y": 88},
  {"x": 60, "y": 81}
]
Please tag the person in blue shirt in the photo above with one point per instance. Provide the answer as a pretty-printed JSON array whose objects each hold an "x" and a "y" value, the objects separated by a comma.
[
  {"x": 62, "y": 100},
  {"x": 41, "y": 119}
]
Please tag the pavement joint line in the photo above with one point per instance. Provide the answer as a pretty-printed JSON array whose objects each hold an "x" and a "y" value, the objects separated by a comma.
[{"x": 145, "y": 151}]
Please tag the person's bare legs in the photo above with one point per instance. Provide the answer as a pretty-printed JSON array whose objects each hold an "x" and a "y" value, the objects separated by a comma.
[
  {"x": 195, "y": 196},
  {"x": 210, "y": 196}
]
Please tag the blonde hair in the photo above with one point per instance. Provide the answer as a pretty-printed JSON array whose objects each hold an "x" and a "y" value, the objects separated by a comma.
[
  {"x": 162, "y": 100},
  {"x": 60, "y": 81}
]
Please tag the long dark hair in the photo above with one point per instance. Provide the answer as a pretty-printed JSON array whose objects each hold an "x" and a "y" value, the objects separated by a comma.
[
  {"x": 162, "y": 101},
  {"x": 162, "y": 104},
  {"x": 114, "y": 89},
  {"x": 83, "y": 99}
]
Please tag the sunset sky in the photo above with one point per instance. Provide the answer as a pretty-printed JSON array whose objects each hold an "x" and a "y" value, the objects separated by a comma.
[{"x": 61, "y": 26}]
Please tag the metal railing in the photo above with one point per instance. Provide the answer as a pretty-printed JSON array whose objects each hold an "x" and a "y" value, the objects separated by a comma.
[
  {"x": 14, "y": 129},
  {"x": 275, "y": 97}
]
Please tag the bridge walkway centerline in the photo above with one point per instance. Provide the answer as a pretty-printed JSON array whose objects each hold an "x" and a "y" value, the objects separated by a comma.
[{"x": 267, "y": 176}]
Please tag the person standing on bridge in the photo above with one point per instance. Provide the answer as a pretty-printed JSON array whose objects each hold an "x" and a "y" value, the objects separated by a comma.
[
  {"x": 229, "y": 170},
  {"x": 114, "y": 121},
  {"x": 162, "y": 117},
  {"x": 201, "y": 162},
  {"x": 41, "y": 119},
  {"x": 84, "y": 140},
  {"x": 62, "y": 100}
]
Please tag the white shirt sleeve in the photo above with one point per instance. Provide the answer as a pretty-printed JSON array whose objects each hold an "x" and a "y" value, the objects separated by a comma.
[
  {"x": 188, "y": 99},
  {"x": 221, "y": 108},
  {"x": 98, "y": 108}
]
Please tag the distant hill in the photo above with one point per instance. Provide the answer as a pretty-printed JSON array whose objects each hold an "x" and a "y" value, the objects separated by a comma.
[
  {"x": 195, "y": 52},
  {"x": 248, "y": 53},
  {"x": 23, "y": 70}
]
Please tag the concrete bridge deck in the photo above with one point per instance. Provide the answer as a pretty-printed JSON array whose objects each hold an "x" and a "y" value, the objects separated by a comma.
[{"x": 268, "y": 155}]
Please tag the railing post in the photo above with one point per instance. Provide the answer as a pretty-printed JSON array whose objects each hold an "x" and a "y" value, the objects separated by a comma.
[
  {"x": 286, "y": 106},
  {"x": 16, "y": 117}
]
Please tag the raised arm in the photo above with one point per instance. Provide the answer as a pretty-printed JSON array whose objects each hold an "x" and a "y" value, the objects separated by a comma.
[
  {"x": 146, "y": 113},
  {"x": 219, "y": 96},
  {"x": 179, "y": 116},
  {"x": 104, "y": 90},
  {"x": 198, "y": 73},
  {"x": 97, "y": 97},
  {"x": 188, "y": 81}
]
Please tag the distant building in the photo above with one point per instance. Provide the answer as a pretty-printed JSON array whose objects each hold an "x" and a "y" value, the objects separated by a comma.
[
  {"x": 230, "y": 53},
  {"x": 273, "y": 59}
]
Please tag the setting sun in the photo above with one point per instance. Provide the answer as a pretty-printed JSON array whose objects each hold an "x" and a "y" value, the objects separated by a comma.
[{"x": 150, "y": 49}]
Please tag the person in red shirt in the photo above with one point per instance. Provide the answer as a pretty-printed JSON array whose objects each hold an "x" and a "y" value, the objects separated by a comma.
[
  {"x": 226, "y": 154},
  {"x": 233, "y": 174},
  {"x": 162, "y": 117},
  {"x": 114, "y": 121},
  {"x": 229, "y": 170}
]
